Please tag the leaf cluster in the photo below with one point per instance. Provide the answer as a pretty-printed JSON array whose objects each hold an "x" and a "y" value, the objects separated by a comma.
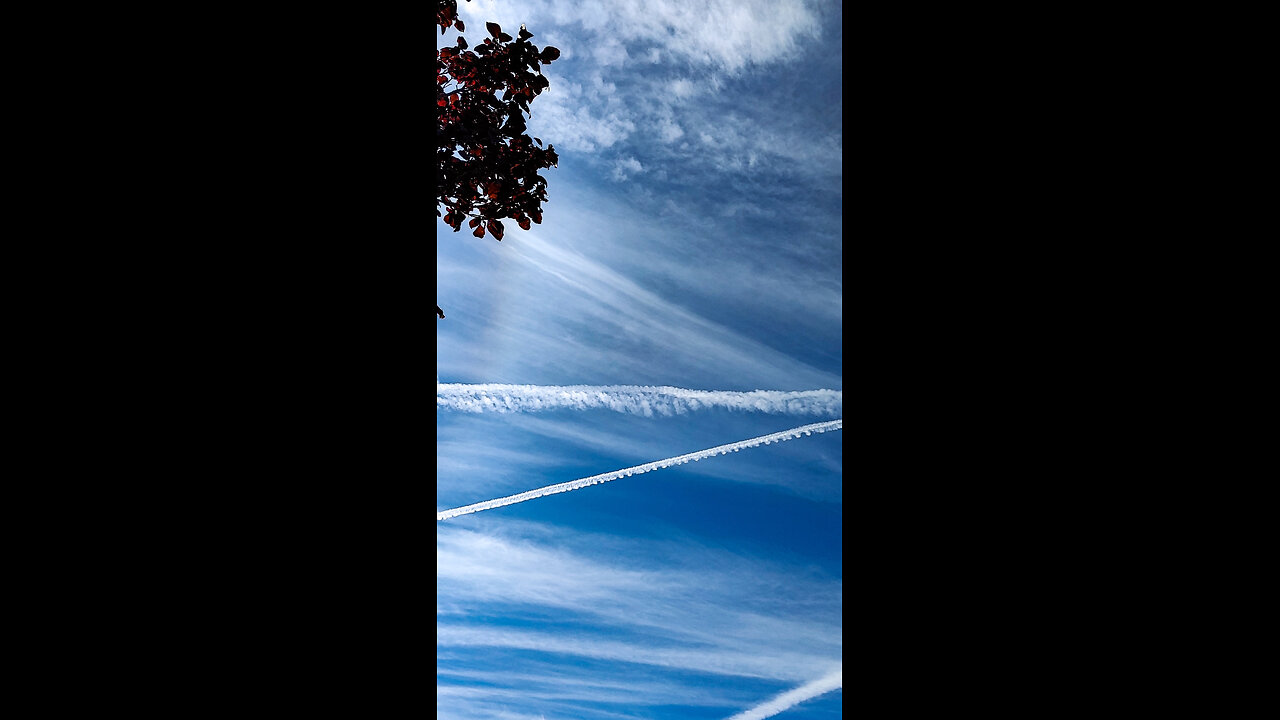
[{"x": 488, "y": 166}]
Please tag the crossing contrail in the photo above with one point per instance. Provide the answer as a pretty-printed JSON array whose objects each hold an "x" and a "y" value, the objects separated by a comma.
[
  {"x": 656, "y": 465},
  {"x": 635, "y": 399},
  {"x": 791, "y": 698}
]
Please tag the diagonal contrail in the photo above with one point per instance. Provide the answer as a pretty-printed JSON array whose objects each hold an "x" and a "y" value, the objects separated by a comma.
[
  {"x": 635, "y": 399},
  {"x": 791, "y": 698},
  {"x": 656, "y": 465}
]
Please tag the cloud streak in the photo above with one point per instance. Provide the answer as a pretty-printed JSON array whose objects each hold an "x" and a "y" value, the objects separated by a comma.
[
  {"x": 802, "y": 431},
  {"x": 537, "y": 617},
  {"x": 630, "y": 399},
  {"x": 791, "y": 698}
]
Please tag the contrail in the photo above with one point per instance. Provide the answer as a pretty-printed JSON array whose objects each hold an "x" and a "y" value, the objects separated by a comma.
[
  {"x": 656, "y": 465},
  {"x": 791, "y": 698},
  {"x": 635, "y": 399}
]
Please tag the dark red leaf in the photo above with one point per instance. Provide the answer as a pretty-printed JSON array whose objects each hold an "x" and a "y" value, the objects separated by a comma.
[
  {"x": 460, "y": 26},
  {"x": 487, "y": 160}
]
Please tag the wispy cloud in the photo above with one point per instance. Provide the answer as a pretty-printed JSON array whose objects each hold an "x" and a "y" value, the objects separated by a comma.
[
  {"x": 571, "y": 317},
  {"x": 629, "y": 622},
  {"x": 640, "y": 314},
  {"x": 792, "y": 434},
  {"x": 604, "y": 646}
]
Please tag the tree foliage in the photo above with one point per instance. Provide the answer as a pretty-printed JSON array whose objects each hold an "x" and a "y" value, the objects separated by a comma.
[{"x": 488, "y": 164}]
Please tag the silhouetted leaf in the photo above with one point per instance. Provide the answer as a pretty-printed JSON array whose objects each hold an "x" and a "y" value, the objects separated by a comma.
[
  {"x": 515, "y": 123},
  {"x": 488, "y": 163}
]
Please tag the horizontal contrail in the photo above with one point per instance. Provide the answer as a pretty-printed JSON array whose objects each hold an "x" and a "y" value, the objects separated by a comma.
[
  {"x": 791, "y": 698},
  {"x": 635, "y": 399},
  {"x": 656, "y": 465}
]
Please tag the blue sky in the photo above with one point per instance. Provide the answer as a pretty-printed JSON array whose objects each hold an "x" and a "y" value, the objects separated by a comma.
[{"x": 692, "y": 240}]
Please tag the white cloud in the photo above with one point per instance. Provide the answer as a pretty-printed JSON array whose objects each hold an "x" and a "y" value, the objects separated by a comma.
[
  {"x": 609, "y": 52},
  {"x": 580, "y": 129},
  {"x": 624, "y": 168},
  {"x": 682, "y": 88},
  {"x": 716, "y": 37},
  {"x": 669, "y": 130},
  {"x": 727, "y": 32}
]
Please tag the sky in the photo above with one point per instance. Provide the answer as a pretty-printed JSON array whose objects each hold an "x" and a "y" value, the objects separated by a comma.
[{"x": 683, "y": 293}]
